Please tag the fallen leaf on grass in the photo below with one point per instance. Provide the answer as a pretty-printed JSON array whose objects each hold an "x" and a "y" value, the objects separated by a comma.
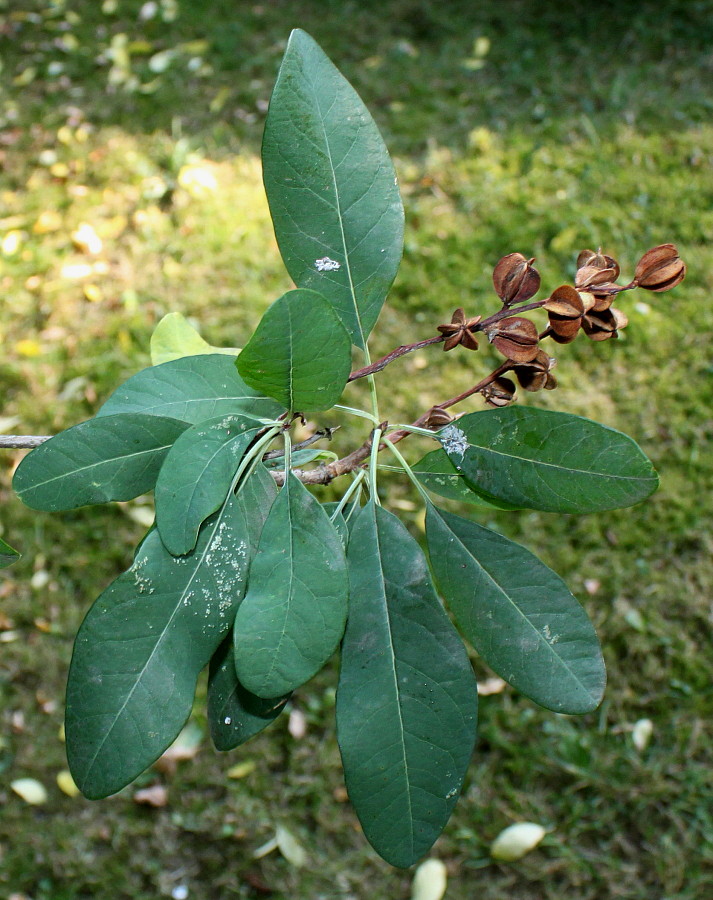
[
  {"x": 241, "y": 770},
  {"x": 290, "y": 847}
]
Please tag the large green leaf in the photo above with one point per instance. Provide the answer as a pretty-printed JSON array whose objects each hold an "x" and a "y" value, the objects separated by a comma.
[
  {"x": 436, "y": 472},
  {"x": 141, "y": 646},
  {"x": 518, "y": 614},
  {"x": 7, "y": 555},
  {"x": 293, "y": 615},
  {"x": 407, "y": 696},
  {"x": 332, "y": 189},
  {"x": 196, "y": 476},
  {"x": 234, "y": 714},
  {"x": 174, "y": 337},
  {"x": 300, "y": 353},
  {"x": 112, "y": 458},
  {"x": 190, "y": 389},
  {"x": 548, "y": 460}
]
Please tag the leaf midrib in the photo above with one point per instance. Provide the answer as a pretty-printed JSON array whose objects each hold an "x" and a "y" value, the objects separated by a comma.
[
  {"x": 333, "y": 172},
  {"x": 402, "y": 729}
]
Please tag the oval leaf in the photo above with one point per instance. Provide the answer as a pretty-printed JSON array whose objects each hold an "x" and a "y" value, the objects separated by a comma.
[
  {"x": 174, "y": 338},
  {"x": 547, "y": 460},
  {"x": 196, "y": 476},
  {"x": 190, "y": 389},
  {"x": 234, "y": 714},
  {"x": 332, "y": 189},
  {"x": 518, "y": 614},
  {"x": 300, "y": 353},
  {"x": 437, "y": 473},
  {"x": 407, "y": 696},
  {"x": 113, "y": 458},
  {"x": 142, "y": 645},
  {"x": 293, "y": 615}
]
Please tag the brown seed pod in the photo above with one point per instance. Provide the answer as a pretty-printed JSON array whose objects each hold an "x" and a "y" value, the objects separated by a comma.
[
  {"x": 535, "y": 375},
  {"x": 499, "y": 392},
  {"x": 598, "y": 260},
  {"x": 458, "y": 331},
  {"x": 515, "y": 337},
  {"x": 515, "y": 279},
  {"x": 660, "y": 269},
  {"x": 438, "y": 417},
  {"x": 600, "y": 326}
]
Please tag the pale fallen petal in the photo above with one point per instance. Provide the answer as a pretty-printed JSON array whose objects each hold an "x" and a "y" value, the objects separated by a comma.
[
  {"x": 30, "y": 790},
  {"x": 516, "y": 841},
  {"x": 641, "y": 734},
  {"x": 429, "y": 881},
  {"x": 290, "y": 847},
  {"x": 66, "y": 784}
]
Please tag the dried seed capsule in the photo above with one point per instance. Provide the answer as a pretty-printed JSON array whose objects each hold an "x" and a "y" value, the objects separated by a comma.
[
  {"x": 515, "y": 279},
  {"x": 438, "y": 417},
  {"x": 600, "y": 326},
  {"x": 598, "y": 260},
  {"x": 499, "y": 392},
  {"x": 458, "y": 331},
  {"x": 535, "y": 375},
  {"x": 660, "y": 269},
  {"x": 515, "y": 337}
]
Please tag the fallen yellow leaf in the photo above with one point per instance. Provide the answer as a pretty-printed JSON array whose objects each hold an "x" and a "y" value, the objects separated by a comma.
[
  {"x": 28, "y": 347},
  {"x": 47, "y": 221}
]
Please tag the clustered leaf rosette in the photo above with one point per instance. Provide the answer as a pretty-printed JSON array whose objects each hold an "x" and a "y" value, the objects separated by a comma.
[{"x": 263, "y": 585}]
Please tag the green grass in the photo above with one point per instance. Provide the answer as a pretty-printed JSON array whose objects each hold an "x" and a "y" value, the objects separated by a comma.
[{"x": 585, "y": 125}]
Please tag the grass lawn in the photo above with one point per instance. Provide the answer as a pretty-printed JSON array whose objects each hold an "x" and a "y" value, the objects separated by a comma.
[{"x": 541, "y": 128}]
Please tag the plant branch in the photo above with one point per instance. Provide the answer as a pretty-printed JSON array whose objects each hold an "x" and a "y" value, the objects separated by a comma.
[{"x": 395, "y": 354}]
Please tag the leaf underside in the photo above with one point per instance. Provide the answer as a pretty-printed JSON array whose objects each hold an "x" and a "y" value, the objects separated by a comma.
[
  {"x": 143, "y": 643},
  {"x": 293, "y": 615},
  {"x": 546, "y": 460},
  {"x": 113, "y": 458},
  {"x": 407, "y": 696},
  {"x": 300, "y": 353},
  {"x": 234, "y": 714},
  {"x": 331, "y": 187},
  {"x": 191, "y": 389},
  {"x": 517, "y": 613},
  {"x": 196, "y": 476}
]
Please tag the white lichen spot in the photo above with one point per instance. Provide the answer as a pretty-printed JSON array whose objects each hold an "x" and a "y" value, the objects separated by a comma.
[
  {"x": 326, "y": 264},
  {"x": 549, "y": 637},
  {"x": 227, "y": 720},
  {"x": 451, "y": 793},
  {"x": 453, "y": 440}
]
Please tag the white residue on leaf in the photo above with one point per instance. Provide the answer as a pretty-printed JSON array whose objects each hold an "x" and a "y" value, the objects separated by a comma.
[
  {"x": 326, "y": 264},
  {"x": 453, "y": 440},
  {"x": 549, "y": 637}
]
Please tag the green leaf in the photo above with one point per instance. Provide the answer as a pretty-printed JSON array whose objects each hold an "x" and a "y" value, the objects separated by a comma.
[
  {"x": 112, "y": 458},
  {"x": 436, "y": 472},
  {"x": 332, "y": 189},
  {"x": 190, "y": 389},
  {"x": 174, "y": 338},
  {"x": 293, "y": 615},
  {"x": 407, "y": 696},
  {"x": 338, "y": 521},
  {"x": 7, "y": 555},
  {"x": 234, "y": 714},
  {"x": 517, "y": 613},
  {"x": 196, "y": 476},
  {"x": 546, "y": 460},
  {"x": 300, "y": 353},
  {"x": 143, "y": 643}
]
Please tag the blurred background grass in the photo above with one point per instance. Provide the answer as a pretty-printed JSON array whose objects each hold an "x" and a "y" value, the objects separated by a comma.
[{"x": 542, "y": 128}]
